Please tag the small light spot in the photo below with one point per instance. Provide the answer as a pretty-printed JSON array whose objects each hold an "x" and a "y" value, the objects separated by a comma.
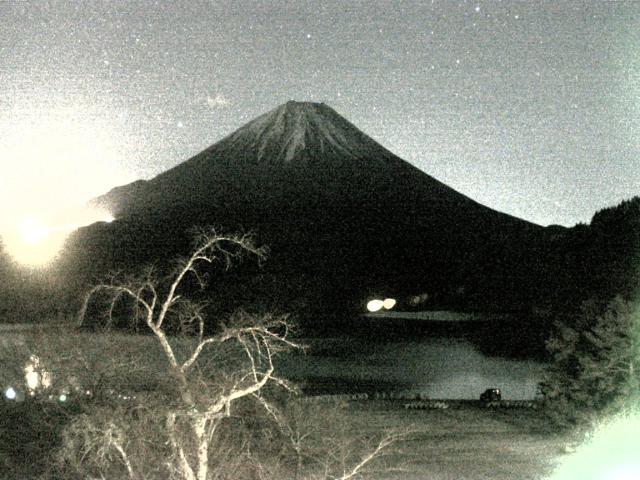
[
  {"x": 389, "y": 303},
  {"x": 33, "y": 380},
  {"x": 375, "y": 305},
  {"x": 10, "y": 393}
]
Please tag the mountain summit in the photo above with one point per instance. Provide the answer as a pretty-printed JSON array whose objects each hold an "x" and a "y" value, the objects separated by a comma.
[
  {"x": 296, "y": 129},
  {"x": 331, "y": 203}
]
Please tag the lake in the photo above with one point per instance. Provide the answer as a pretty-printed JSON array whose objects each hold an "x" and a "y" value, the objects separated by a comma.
[{"x": 440, "y": 368}]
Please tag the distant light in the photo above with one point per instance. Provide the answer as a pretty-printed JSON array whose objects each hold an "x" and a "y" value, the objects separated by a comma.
[
  {"x": 375, "y": 305},
  {"x": 33, "y": 380},
  {"x": 109, "y": 218},
  {"x": 389, "y": 303},
  {"x": 10, "y": 393},
  {"x": 62, "y": 398}
]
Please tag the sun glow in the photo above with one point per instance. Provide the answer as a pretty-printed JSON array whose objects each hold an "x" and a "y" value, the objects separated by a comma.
[
  {"x": 35, "y": 243},
  {"x": 33, "y": 231},
  {"x": 32, "y": 242},
  {"x": 55, "y": 162}
]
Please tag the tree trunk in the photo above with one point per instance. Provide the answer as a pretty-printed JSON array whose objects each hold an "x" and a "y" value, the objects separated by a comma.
[
  {"x": 184, "y": 467},
  {"x": 200, "y": 429},
  {"x": 298, "y": 462}
]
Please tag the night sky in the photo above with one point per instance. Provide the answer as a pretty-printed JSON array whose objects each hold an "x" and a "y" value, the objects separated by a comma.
[{"x": 530, "y": 108}]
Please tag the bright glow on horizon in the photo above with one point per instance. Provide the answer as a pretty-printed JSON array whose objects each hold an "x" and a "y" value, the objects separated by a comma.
[
  {"x": 31, "y": 242},
  {"x": 33, "y": 231},
  {"x": 56, "y": 159},
  {"x": 34, "y": 243},
  {"x": 612, "y": 453}
]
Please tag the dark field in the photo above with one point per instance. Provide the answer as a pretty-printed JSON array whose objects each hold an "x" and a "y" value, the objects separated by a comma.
[
  {"x": 467, "y": 442},
  {"x": 464, "y": 442}
]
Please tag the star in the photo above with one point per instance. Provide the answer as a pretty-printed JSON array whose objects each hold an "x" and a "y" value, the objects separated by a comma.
[{"x": 158, "y": 61}]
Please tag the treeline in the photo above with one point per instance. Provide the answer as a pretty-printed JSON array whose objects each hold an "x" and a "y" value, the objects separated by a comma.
[
  {"x": 538, "y": 274},
  {"x": 594, "y": 345}
]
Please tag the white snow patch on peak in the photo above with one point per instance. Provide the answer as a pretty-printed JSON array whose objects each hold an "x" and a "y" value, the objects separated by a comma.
[{"x": 289, "y": 129}]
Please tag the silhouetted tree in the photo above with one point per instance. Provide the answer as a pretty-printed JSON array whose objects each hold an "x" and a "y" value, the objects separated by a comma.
[
  {"x": 609, "y": 263},
  {"x": 595, "y": 363}
]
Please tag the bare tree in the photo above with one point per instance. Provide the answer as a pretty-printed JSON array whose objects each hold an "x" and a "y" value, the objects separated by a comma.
[
  {"x": 191, "y": 422},
  {"x": 189, "y": 402}
]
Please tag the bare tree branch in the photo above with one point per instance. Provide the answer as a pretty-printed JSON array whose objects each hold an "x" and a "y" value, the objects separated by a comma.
[
  {"x": 384, "y": 443},
  {"x": 207, "y": 375}
]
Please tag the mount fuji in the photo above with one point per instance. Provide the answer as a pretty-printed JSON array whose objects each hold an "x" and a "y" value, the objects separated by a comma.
[{"x": 343, "y": 217}]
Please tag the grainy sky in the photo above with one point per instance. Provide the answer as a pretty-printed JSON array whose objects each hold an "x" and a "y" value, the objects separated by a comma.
[{"x": 532, "y": 108}]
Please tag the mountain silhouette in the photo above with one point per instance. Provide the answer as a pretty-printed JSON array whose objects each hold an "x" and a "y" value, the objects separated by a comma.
[
  {"x": 344, "y": 218},
  {"x": 303, "y": 151}
]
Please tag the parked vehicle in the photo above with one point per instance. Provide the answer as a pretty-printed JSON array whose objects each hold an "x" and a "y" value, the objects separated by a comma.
[{"x": 491, "y": 395}]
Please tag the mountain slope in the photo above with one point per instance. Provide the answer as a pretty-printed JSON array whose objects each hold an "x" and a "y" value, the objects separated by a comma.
[
  {"x": 340, "y": 213},
  {"x": 297, "y": 147}
]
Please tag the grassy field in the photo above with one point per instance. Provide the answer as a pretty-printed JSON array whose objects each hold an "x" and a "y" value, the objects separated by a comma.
[{"x": 465, "y": 443}]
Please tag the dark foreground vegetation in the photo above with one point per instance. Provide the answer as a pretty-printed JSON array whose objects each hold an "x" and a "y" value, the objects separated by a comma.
[
  {"x": 206, "y": 402},
  {"x": 464, "y": 442}
]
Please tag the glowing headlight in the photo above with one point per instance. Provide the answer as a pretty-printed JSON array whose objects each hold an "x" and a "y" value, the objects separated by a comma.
[
  {"x": 375, "y": 305},
  {"x": 389, "y": 303}
]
